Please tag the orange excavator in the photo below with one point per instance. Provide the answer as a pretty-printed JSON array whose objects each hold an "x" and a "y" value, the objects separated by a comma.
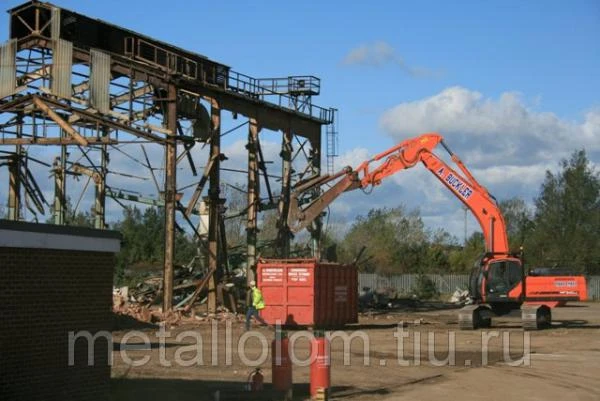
[{"x": 498, "y": 284}]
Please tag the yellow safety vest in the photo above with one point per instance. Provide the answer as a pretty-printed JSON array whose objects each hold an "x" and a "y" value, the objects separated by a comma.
[{"x": 257, "y": 299}]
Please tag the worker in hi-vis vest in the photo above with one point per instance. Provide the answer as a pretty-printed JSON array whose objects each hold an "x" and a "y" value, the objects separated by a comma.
[{"x": 254, "y": 303}]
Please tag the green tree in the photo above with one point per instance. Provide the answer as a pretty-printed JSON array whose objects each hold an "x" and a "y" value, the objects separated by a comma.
[
  {"x": 377, "y": 232},
  {"x": 395, "y": 241},
  {"x": 143, "y": 242},
  {"x": 518, "y": 219},
  {"x": 73, "y": 217},
  {"x": 438, "y": 252},
  {"x": 463, "y": 260},
  {"x": 567, "y": 217}
]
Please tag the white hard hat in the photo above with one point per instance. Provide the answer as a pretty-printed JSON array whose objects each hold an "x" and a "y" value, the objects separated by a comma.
[{"x": 252, "y": 283}]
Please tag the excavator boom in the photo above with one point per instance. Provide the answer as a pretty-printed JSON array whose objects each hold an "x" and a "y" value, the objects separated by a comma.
[{"x": 401, "y": 157}]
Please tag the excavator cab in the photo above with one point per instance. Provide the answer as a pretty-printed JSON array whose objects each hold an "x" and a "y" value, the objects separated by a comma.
[
  {"x": 496, "y": 280},
  {"x": 503, "y": 278}
]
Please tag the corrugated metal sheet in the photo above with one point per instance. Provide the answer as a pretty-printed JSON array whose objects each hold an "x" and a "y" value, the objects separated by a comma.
[
  {"x": 100, "y": 81},
  {"x": 55, "y": 26},
  {"x": 445, "y": 283},
  {"x": 62, "y": 65},
  {"x": 8, "y": 68}
]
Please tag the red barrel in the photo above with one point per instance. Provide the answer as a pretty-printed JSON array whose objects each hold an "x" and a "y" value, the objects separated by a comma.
[
  {"x": 320, "y": 366},
  {"x": 281, "y": 364}
]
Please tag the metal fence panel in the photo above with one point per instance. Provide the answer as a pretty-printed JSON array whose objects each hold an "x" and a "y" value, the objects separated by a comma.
[{"x": 445, "y": 283}]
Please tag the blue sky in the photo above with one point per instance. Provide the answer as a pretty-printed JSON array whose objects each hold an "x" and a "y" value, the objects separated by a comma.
[{"x": 520, "y": 80}]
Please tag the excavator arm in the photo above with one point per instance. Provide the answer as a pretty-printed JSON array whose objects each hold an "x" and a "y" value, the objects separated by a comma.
[{"x": 401, "y": 157}]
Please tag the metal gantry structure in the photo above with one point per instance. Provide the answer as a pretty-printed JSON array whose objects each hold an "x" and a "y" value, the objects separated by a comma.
[{"x": 81, "y": 85}]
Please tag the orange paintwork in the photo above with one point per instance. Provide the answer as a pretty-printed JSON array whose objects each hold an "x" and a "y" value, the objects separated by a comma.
[
  {"x": 558, "y": 287},
  {"x": 467, "y": 189},
  {"x": 551, "y": 291},
  {"x": 463, "y": 185}
]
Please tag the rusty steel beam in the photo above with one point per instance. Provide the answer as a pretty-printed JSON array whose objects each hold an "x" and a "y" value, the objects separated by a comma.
[
  {"x": 61, "y": 123},
  {"x": 130, "y": 96},
  {"x": 283, "y": 230},
  {"x": 60, "y": 187},
  {"x": 271, "y": 116},
  {"x": 199, "y": 287},
  {"x": 13, "y": 105},
  {"x": 54, "y": 141},
  {"x": 317, "y": 225},
  {"x": 81, "y": 87},
  {"x": 200, "y": 187},
  {"x": 14, "y": 187},
  {"x": 253, "y": 199},
  {"x": 33, "y": 76},
  {"x": 170, "y": 200},
  {"x": 90, "y": 116},
  {"x": 16, "y": 106},
  {"x": 101, "y": 190},
  {"x": 99, "y": 179},
  {"x": 214, "y": 203},
  {"x": 14, "y": 168}
]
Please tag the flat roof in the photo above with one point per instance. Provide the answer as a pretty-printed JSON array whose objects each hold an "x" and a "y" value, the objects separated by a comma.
[{"x": 19, "y": 234}]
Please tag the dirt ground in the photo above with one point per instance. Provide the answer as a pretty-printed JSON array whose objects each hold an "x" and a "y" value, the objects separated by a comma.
[{"x": 560, "y": 363}]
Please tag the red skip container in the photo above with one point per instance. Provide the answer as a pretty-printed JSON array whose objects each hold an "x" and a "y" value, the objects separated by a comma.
[{"x": 306, "y": 292}]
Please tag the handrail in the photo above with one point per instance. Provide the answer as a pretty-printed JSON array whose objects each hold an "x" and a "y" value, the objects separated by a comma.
[{"x": 278, "y": 91}]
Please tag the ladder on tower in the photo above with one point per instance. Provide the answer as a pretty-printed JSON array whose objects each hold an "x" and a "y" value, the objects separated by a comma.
[{"x": 331, "y": 132}]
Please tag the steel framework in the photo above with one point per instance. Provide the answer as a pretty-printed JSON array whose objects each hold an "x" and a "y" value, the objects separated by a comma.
[{"x": 90, "y": 87}]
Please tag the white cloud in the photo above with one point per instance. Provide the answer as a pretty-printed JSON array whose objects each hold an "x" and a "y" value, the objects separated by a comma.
[
  {"x": 380, "y": 53},
  {"x": 490, "y": 132},
  {"x": 507, "y": 145},
  {"x": 352, "y": 158}
]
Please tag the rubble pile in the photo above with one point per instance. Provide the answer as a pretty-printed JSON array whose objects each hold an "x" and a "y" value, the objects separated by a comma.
[
  {"x": 142, "y": 300},
  {"x": 460, "y": 297}
]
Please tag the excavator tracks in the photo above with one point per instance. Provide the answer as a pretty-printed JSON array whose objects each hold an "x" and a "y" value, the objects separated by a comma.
[
  {"x": 472, "y": 317},
  {"x": 533, "y": 317},
  {"x": 536, "y": 317}
]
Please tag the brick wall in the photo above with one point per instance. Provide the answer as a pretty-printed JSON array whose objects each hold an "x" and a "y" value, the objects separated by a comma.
[{"x": 45, "y": 294}]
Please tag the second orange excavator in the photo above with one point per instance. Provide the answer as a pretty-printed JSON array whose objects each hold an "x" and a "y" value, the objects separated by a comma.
[{"x": 498, "y": 284}]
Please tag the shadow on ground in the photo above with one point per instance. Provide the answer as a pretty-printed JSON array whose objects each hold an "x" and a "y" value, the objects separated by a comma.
[
  {"x": 125, "y": 389},
  {"x": 125, "y": 322}
]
